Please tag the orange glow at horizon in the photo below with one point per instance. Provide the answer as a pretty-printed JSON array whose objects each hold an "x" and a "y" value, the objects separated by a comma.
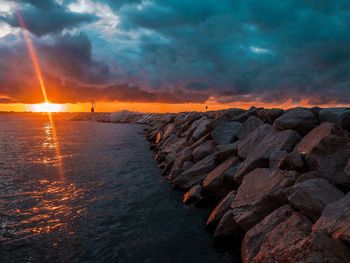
[{"x": 47, "y": 107}]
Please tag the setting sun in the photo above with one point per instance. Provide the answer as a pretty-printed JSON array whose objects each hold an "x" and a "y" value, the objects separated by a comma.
[{"x": 47, "y": 107}]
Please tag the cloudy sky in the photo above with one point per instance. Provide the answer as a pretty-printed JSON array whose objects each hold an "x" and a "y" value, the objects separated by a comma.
[{"x": 179, "y": 51}]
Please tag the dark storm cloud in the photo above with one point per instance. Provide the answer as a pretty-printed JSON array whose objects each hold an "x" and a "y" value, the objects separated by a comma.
[
  {"x": 45, "y": 17},
  {"x": 178, "y": 51}
]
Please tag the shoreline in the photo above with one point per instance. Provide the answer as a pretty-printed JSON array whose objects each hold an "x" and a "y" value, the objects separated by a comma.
[{"x": 277, "y": 180}]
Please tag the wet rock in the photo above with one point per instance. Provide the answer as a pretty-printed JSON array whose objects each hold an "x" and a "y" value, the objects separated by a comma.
[
  {"x": 221, "y": 209},
  {"x": 335, "y": 219},
  {"x": 327, "y": 149},
  {"x": 261, "y": 192},
  {"x": 226, "y": 229},
  {"x": 193, "y": 196},
  {"x": 300, "y": 119},
  {"x": 215, "y": 185},
  {"x": 196, "y": 173},
  {"x": 269, "y": 115},
  {"x": 248, "y": 126},
  {"x": 225, "y": 133},
  {"x": 203, "y": 150},
  {"x": 260, "y": 144},
  {"x": 311, "y": 197},
  {"x": 340, "y": 116},
  {"x": 271, "y": 239}
]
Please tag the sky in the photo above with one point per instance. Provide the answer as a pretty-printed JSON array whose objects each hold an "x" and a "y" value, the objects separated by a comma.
[{"x": 157, "y": 55}]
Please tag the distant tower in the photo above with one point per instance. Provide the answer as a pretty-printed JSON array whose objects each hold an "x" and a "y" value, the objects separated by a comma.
[{"x": 92, "y": 106}]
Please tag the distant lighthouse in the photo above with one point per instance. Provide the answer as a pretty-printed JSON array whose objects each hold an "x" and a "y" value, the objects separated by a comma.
[{"x": 92, "y": 106}]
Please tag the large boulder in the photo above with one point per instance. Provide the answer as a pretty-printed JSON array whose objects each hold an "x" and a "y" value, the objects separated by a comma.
[
  {"x": 260, "y": 144},
  {"x": 168, "y": 130},
  {"x": 245, "y": 115},
  {"x": 269, "y": 240},
  {"x": 220, "y": 210},
  {"x": 227, "y": 228},
  {"x": 327, "y": 149},
  {"x": 225, "y": 133},
  {"x": 226, "y": 150},
  {"x": 311, "y": 196},
  {"x": 196, "y": 174},
  {"x": 248, "y": 126},
  {"x": 269, "y": 115},
  {"x": 198, "y": 129},
  {"x": 340, "y": 116},
  {"x": 284, "y": 236},
  {"x": 261, "y": 192},
  {"x": 335, "y": 219},
  {"x": 216, "y": 185},
  {"x": 300, "y": 119},
  {"x": 203, "y": 150},
  {"x": 226, "y": 116}
]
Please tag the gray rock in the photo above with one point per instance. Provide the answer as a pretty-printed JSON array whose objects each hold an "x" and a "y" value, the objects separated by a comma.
[
  {"x": 226, "y": 150},
  {"x": 269, "y": 240},
  {"x": 203, "y": 150},
  {"x": 311, "y": 197},
  {"x": 260, "y": 144},
  {"x": 300, "y": 119},
  {"x": 225, "y": 133},
  {"x": 198, "y": 129},
  {"x": 308, "y": 176},
  {"x": 335, "y": 219},
  {"x": 215, "y": 185},
  {"x": 220, "y": 210},
  {"x": 261, "y": 192},
  {"x": 226, "y": 116},
  {"x": 327, "y": 149},
  {"x": 227, "y": 228},
  {"x": 248, "y": 126},
  {"x": 196, "y": 174},
  {"x": 269, "y": 115},
  {"x": 340, "y": 116}
]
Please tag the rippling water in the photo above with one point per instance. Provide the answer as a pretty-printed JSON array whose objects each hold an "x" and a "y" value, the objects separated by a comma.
[{"x": 90, "y": 192}]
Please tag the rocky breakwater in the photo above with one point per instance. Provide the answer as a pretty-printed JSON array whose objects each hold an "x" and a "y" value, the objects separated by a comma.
[{"x": 278, "y": 181}]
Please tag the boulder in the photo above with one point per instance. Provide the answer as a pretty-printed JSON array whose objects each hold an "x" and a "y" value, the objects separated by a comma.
[
  {"x": 168, "y": 130},
  {"x": 287, "y": 161},
  {"x": 225, "y": 133},
  {"x": 261, "y": 192},
  {"x": 227, "y": 116},
  {"x": 196, "y": 173},
  {"x": 269, "y": 115},
  {"x": 203, "y": 150},
  {"x": 269, "y": 240},
  {"x": 347, "y": 169},
  {"x": 327, "y": 149},
  {"x": 245, "y": 115},
  {"x": 226, "y": 229},
  {"x": 198, "y": 129},
  {"x": 220, "y": 210},
  {"x": 215, "y": 185},
  {"x": 340, "y": 116},
  {"x": 226, "y": 150},
  {"x": 248, "y": 126},
  {"x": 260, "y": 144},
  {"x": 193, "y": 196},
  {"x": 311, "y": 197},
  {"x": 335, "y": 219},
  {"x": 300, "y": 119}
]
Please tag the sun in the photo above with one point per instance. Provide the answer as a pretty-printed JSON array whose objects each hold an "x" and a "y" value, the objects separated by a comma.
[{"x": 47, "y": 107}]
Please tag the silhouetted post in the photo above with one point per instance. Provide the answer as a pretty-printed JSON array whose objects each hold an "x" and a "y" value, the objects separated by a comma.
[{"x": 92, "y": 106}]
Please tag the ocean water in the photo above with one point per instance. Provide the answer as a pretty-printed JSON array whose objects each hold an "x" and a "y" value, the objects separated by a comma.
[{"x": 91, "y": 192}]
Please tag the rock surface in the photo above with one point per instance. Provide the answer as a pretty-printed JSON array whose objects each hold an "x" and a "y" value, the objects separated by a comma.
[
  {"x": 300, "y": 119},
  {"x": 225, "y": 133}
]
